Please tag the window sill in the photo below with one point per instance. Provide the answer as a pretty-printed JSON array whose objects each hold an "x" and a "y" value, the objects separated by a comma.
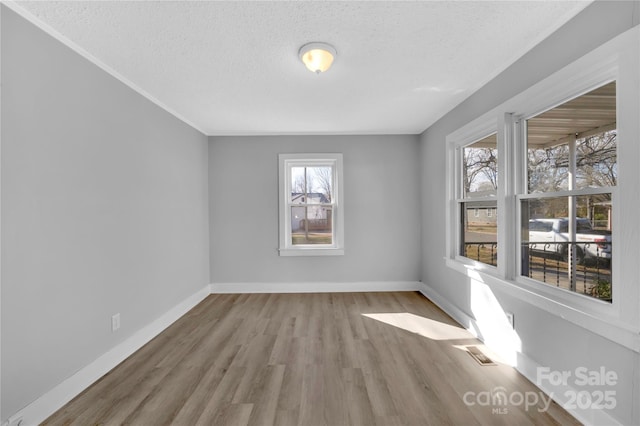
[
  {"x": 304, "y": 251},
  {"x": 607, "y": 325}
]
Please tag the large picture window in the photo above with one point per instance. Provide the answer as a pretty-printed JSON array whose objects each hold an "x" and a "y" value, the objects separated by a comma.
[
  {"x": 566, "y": 213},
  {"x": 310, "y": 204}
]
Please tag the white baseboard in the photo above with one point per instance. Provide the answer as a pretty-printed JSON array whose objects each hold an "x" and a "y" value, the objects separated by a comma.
[
  {"x": 454, "y": 312},
  {"x": 50, "y": 402},
  {"x": 525, "y": 365},
  {"x": 316, "y": 287}
]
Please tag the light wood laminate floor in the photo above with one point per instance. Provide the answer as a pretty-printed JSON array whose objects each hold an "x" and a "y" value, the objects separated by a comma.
[{"x": 306, "y": 359}]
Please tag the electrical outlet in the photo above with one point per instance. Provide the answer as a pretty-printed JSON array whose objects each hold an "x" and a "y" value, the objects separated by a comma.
[
  {"x": 510, "y": 318},
  {"x": 115, "y": 322}
]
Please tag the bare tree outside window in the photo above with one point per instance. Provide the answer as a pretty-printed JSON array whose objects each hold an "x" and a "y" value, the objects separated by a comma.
[
  {"x": 480, "y": 169},
  {"x": 596, "y": 164},
  {"x": 596, "y": 161},
  {"x": 548, "y": 169},
  {"x": 299, "y": 186},
  {"x": 323, "y": 177}
]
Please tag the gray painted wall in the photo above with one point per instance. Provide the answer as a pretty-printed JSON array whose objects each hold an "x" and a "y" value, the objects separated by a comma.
[
  {"x": 104, "y": 210},
  {"x": 549, "y": 340},
  {"x": 382, "y": 210}
]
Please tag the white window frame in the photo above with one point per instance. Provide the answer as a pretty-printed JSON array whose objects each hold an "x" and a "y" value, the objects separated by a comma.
[
  {"x": 618, "y": 321},
  {"x": 286, "y": 162},
  {"x": 557, "y": 97},
  {"x": 474, "y": 133}
]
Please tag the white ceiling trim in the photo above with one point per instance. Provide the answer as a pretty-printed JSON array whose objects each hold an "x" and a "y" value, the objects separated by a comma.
[{"x": 11, "y": 4}]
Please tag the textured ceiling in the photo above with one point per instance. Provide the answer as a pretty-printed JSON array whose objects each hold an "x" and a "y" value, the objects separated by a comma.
[{"x": 231, "y": 68}]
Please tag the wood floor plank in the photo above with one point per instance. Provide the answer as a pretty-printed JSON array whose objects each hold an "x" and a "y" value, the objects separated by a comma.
[
  {"x": 359, "y": 409},
  {"x": 264, "y": 395},
  {"x": 197, "y": 402},
  {"x": 379, "y": 394},
  {"x": 167, "y": 398},
  {"x": 335, "y": 401},
  {"x": 291, "y": 391},
  {"x": 254, "y": 358},
  {"x": 286, "y": 418},
  {"x": 312, "y": 397},
  {"x": 221, "y": 395},
  {"x": 233, "y": 414},
  {"x": 305, "y": 359}
]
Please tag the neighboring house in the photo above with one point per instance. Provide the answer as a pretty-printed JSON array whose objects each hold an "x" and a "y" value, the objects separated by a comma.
[
  {"x": 482, "y": 214},
  {"x": 313, "y": 206}
]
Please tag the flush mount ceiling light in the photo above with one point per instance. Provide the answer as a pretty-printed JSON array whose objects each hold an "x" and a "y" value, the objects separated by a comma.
[{"x": 317, "y": 56}]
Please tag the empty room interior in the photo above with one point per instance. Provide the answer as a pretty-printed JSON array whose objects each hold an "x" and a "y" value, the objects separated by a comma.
[{"x": 319, "y": 213}]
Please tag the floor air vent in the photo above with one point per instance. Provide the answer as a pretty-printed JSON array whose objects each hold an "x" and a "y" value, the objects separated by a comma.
[{"x": 477, "y": 354}]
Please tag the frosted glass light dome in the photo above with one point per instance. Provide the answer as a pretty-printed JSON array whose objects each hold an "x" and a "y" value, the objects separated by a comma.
[{"x": 317, "y": 57}]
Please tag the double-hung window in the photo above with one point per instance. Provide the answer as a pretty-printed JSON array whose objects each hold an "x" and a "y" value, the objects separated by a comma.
[
  {"x": 477, "y": 205},
  {"x": 566, "y": 200},
  {"x": 311, "y": 208}
]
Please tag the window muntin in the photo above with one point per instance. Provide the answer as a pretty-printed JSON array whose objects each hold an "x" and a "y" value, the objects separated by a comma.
[
  {"x": 478, "y": 205},
  {"x": 480, "y": 168},
  {"x": 311, "y": 208},
  {"x": 571, "y": 172}
]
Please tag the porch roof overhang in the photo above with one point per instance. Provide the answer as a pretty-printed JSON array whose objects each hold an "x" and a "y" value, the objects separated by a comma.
[{"x": 587, "y": 115}]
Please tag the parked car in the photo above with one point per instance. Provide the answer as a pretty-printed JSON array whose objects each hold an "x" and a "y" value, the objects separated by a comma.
[{"x": 552, "y": 235}]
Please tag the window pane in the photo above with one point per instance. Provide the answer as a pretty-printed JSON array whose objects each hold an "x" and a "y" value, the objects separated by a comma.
[
  {"x": 311, "y": 185},
  {"x": 479, "y": 232},
  {"x": 589, "y": 122},
  {"x": 578, "y": 261},
  {"x": 298, "y": 185},
  {"x": 548, "y": 168},
  {"x": 596, "y": 160},
  {"x": 320, "y": 184},
  {"x": 311, "y": 225},
  {"x": 480, "y": 168}
]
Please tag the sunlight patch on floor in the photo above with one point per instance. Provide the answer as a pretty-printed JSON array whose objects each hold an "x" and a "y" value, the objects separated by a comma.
[{"x": 425, "y": 327}]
